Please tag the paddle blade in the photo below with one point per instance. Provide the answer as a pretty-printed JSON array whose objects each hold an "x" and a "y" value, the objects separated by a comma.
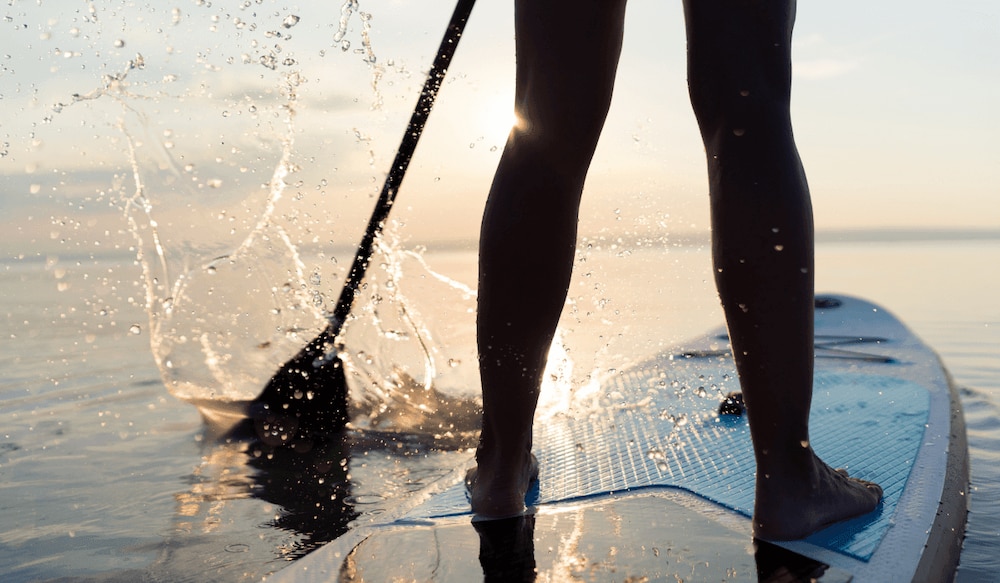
[{"x": 306, "y": 398}]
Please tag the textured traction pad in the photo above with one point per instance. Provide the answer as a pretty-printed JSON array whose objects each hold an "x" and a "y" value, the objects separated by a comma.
[{"x": 657, "y": 426}]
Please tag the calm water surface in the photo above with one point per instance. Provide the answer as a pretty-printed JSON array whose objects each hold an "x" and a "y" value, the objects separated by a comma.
[{"x": 105, "y": 476}]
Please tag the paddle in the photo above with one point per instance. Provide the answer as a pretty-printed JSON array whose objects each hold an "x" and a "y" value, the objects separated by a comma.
[{"x": 308, "y": 394}]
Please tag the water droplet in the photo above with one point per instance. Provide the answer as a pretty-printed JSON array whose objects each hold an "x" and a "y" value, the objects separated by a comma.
[
  {"x": 364, "y": 499},
  {"x": 237, "y": 548},
  {"x": 779, "y": 247},
  {"x": 119, "y": 43},
  {"x": 135, "y": 329},
  {"x": 739, "y": 132},
  {"x": 290, "y": 21},
  {"x": 804, "y": 443}
]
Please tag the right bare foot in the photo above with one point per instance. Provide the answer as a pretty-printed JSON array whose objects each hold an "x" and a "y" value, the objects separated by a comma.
[
  {"x": 809, "y": 499},
  {"x": 498, "y": 490}
]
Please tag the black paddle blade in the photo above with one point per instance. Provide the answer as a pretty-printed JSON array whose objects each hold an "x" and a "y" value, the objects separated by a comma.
[
  {"x": 306, "y": 398},
  {"x": 308, "y": 395}
]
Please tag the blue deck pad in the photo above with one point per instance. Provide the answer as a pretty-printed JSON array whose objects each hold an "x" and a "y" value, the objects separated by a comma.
[{"x": 657, "y": 426}]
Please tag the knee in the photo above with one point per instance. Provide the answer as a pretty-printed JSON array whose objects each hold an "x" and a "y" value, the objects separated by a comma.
[
  {"x": 560, "y": 150},
  {"x": 572, "y": 125},
  {"x": 742, "y": 114}
]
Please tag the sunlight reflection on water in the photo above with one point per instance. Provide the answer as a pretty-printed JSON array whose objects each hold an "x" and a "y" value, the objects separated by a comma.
[{"x": 104, "y": 472}]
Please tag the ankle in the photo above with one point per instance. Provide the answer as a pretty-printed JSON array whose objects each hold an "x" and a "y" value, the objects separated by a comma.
[
  {"x": 795, "y": 462},
  {"x": 504, "y": 449}
]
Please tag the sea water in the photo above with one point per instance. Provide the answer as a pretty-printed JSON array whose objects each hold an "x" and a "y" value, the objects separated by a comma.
[
  {"x": 204, "y": 170},
  {"x": 107, "y": 476}
]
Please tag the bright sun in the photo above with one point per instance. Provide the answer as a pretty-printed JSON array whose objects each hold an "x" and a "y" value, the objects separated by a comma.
[{"x": 499, "y": 118}]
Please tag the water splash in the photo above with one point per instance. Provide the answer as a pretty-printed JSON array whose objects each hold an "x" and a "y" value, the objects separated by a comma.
[
  {"x": 417, "y": 372},
  {"x": 236, "y": 270},
  {"x": 222, "y": 323}
]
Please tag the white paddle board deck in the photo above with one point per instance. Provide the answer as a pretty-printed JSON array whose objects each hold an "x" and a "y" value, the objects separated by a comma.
[{"x": 654, "y": 483}]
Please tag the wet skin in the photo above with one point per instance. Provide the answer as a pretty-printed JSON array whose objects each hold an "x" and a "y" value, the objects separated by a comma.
[{"x": 739, "y": 76}]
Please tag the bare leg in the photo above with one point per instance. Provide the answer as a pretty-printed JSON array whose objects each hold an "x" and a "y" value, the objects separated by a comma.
[
  {"x": 739, "y": 68},
  {"x": 567, "y": 55}
]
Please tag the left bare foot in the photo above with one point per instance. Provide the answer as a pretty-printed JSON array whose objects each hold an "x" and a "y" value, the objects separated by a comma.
[{"x": 498, "y": 490}]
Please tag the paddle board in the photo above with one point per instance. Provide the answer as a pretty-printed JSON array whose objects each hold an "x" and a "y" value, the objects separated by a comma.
[{"x": 655, "y": 484}]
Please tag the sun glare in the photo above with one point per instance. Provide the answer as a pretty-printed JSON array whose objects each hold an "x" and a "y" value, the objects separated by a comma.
[{"x": 499, "y": 118}]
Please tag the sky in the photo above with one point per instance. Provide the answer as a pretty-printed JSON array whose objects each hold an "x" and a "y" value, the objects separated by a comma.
[{"x": 893, "y": 108}]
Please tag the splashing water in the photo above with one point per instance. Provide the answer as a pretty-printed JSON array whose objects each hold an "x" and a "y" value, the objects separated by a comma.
[
  {"x": 415, "y": 371},
  {"x": 226, "y": 322},
  {"x": 229, "y": 208}
]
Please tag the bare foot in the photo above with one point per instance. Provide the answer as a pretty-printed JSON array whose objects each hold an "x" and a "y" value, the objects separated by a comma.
[
  {"x": 498, "y": 490},
  {"x": 795, "y": 506}
]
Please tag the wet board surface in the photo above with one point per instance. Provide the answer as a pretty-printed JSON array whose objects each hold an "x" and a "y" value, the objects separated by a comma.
[{"x": 651, "y": 482}]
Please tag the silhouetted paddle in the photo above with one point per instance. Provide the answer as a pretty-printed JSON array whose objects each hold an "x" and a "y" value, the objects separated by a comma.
[{"x": 308, "y": 394}]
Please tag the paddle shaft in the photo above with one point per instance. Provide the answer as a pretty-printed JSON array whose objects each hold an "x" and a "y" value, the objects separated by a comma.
[{"x": 399, "y": 165}]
